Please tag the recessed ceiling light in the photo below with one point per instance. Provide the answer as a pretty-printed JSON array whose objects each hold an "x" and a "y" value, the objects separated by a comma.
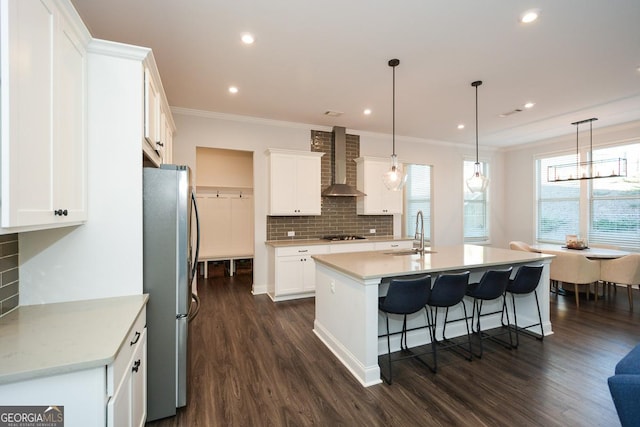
[
  {"x": 233, "y": 89},
  {"x": 529, "y": 104},
  {"x": 247, "y": 38},
  {"x": 367, "y": 111},
  {"x": 529, "y": 16},
  {"x": 461, "y": 126}
]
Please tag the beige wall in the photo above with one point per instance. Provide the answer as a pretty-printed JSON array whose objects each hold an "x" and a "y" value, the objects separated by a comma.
[{"x": 224, "y": 168}]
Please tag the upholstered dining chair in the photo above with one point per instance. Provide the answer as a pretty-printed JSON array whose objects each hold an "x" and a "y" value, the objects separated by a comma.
[
  {"x": 576, "y": 269},
  {"x": 517, "y": 245},
  {"x": 623, "y": 271}
]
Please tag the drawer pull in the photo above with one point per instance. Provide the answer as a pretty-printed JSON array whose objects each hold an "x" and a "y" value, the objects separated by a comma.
[
  {"x": 136, "y": 366},
  {"x": 135, "y": 340},
  {"x": 303, "y": 250}
]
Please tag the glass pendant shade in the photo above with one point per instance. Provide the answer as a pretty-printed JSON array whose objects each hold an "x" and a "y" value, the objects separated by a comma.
[
  {"x": 478, "y": 183},
  {"x": 395, "y": 177}
]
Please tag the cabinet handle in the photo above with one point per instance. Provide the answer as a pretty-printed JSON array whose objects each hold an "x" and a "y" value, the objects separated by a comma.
[
  {"x": 135, "y": 339},
  {"x": 160, "y": 144},
  {"x": 61, "y": 212},
  {"x": 136, "y": 366},
  {"x": 303, "y": 250},
  {"x": 394, "y": 246}
]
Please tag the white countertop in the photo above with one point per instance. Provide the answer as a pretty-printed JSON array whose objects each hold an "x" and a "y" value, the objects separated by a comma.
[
  {"x": 306, "y": 242},
  {"x": 49, "y": 339},
  {"x": 378, "y": 264}
]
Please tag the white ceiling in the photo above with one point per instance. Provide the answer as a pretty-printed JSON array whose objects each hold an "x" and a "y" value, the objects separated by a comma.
[{"x": 579, "y": 60}]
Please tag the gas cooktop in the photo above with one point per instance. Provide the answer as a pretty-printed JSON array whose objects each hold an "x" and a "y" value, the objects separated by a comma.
[{"x": 343, "y": 237}]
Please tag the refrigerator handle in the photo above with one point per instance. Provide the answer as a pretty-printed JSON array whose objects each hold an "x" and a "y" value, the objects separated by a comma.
[{"x": 194, "y": 265}]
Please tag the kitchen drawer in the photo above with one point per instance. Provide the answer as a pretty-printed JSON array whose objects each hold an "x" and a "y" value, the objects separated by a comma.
[
  {"x": 394, "y": 244},
  {"x": 302, "y": 250},
  {"x": 117, "y": 370},
  {"x": 351, "y": 247}
]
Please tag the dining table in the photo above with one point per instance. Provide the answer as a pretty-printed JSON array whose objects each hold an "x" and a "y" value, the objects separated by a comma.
[{"x": 589, "y": 252}]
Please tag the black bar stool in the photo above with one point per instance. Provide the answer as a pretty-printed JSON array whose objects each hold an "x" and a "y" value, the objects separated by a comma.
[
  {"x": 404, "y": 297},
  {"x": 448, "y": 290},
  {"x": 492, "y": 285},
  {"x": 525, "y": 282}
]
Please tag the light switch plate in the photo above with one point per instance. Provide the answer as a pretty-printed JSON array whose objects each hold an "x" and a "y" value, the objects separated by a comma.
[{"x": 291, "y": 233}]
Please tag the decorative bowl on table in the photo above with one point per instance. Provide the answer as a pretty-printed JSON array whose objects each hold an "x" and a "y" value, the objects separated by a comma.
[{"x": 577, "y": 244}]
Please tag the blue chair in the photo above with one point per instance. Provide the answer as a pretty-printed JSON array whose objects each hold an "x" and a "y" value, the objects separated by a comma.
[
  {"x": 448, "y": 290},
  {"x": 404, "y": 297},
  {"x": 625, "y": 388},
  {"x": 492, "y": 285},
  {"x": 525, "y": 282}
]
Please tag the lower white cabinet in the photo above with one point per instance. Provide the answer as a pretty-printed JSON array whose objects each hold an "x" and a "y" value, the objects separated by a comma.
[
  {"x": 83, "y": 394},
  {"x": 294, "y": 271},
  {"x": 127, "y": 379}
]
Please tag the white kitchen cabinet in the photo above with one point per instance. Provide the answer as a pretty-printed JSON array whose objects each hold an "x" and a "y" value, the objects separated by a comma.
[
  {"x": 44, "y": 115},
  {"x": 294, "y": 274},
  {"x": 379, "y": 200},
  {"x": 127, "y": 406},
  {"x": 92, "y": 392},
  {"x": 294, "y": 182},
  {"x": 338, "y": 248},
  {"x": 393, "y": 245},
  {"x": 158, "y": 122}
]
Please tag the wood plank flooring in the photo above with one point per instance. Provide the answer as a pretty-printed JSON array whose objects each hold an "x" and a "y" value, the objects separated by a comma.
[{"x": 258, "y": 363}]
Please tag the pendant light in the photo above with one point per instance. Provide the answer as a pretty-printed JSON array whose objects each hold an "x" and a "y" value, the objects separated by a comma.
[
  {"x": 394, "y": 178},
  {"x": 478, "y": 182},
  {"x": 609, "y": 168}
]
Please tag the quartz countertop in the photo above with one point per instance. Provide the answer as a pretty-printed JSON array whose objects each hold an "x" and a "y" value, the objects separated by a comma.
[
  {"x": 378, "y": 264},
  {"x": 49, "y": 339},
  {"x": 307, "y": 242}
]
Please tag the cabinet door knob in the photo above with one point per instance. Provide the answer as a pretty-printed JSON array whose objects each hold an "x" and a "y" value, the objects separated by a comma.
[
  {"x": 136, "y": 366},
  {"x": 135, "y": 339}
]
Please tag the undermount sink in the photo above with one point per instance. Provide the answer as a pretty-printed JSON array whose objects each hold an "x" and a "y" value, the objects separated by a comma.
[{"x": 408, "y": 252}]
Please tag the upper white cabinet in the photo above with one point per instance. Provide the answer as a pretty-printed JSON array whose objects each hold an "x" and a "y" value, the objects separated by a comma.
[
  {"x": 294, "y": 182},
  {"x": 158, "y": 122},
  {"x": 43, "y": 103},
  {"x": 379, "y": 200}
]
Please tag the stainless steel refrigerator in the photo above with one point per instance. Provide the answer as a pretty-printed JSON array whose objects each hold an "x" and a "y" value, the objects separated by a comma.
[{"x": 170, "y": 252}]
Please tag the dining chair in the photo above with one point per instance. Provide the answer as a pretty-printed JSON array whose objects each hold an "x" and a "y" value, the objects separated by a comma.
[
  {"x": 574, "y": 269},
  {"x": 623, "y": 271},
  {"x": 517, "y": 245}
]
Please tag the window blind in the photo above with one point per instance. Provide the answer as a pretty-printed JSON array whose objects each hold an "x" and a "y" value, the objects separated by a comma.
[{"x": 418, "y": 197}]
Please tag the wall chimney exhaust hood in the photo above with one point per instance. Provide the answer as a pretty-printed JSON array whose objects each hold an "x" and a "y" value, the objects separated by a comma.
[{"x": 339, "y": 187}]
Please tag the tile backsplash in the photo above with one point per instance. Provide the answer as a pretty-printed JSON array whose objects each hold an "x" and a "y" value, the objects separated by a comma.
[
  {"x": 9, "y": 284},
  {"x": 338, "y": 213}
]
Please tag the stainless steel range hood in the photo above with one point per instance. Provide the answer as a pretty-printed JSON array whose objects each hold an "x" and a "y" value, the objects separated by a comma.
[{"x": 339, "y": 187}]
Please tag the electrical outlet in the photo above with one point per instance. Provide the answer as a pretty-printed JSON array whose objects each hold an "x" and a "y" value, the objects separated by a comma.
[
  {"x": 372, "y": 231},
  {"x": 291, "y": 233}
]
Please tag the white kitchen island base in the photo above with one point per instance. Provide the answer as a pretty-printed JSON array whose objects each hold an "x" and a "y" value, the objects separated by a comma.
[{"x": 348, "y": 287}]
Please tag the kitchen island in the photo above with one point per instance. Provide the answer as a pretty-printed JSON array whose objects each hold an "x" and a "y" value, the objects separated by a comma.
[{"x": 348, "y": 286}]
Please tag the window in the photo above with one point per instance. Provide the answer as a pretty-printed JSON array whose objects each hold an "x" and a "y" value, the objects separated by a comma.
[
  {"x": 476, "y": 219},
  {"x": 558, "y": 203},
  {"x": 417, "y": 197},
  {"x": 605, "y": 210},
  {"x": 614, "y": 204}
]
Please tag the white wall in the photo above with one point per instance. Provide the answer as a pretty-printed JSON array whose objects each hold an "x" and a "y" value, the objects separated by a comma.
[
  {"x": 102, "y": 258},
  {"x": 202, "y": 129},
  {"x": 519, "y": 189}
]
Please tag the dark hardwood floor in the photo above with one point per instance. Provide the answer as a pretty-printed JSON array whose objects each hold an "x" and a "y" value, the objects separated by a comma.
[{"x": 257, "y": 363}]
